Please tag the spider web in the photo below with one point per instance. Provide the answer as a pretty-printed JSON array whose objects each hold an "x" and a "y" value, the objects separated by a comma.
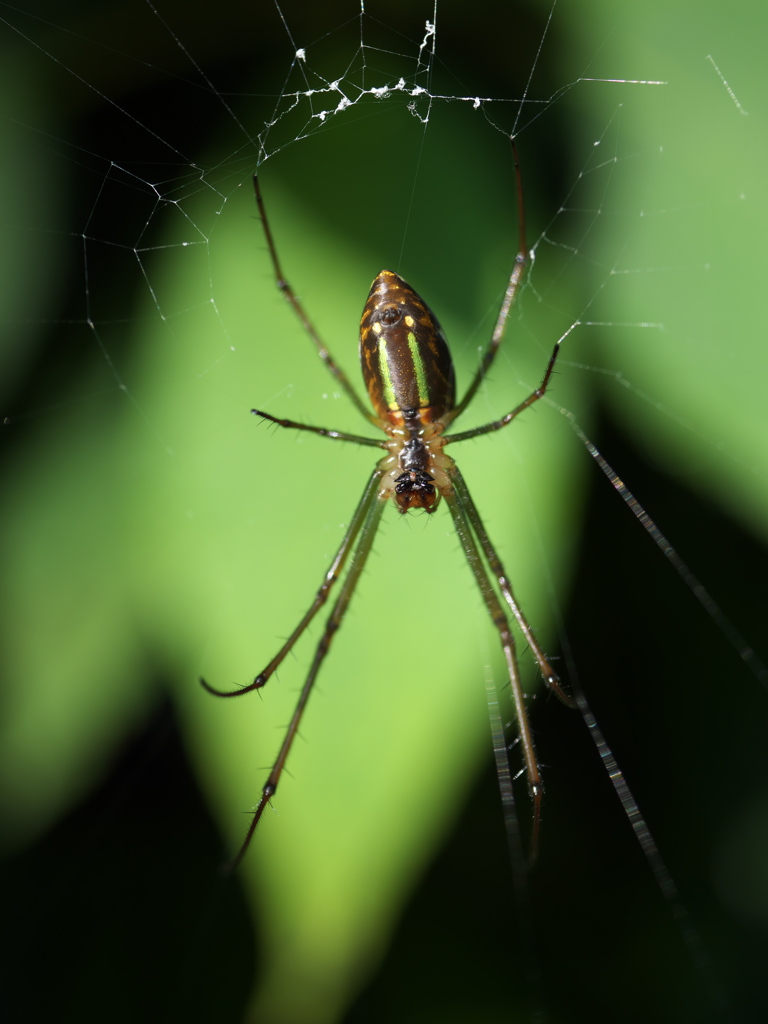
[{"x": 142, "y": 325}]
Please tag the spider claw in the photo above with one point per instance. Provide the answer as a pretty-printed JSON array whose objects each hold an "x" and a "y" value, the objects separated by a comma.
[
  {"x": 553, "y": 683},
  {"x": 230, "y": 693}
]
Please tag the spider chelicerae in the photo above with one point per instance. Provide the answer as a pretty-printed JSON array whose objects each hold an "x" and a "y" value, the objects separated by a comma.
[{"x": 409, "y": 375}]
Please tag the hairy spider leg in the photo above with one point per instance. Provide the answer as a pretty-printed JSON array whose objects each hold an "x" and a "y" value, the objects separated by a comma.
[
  {"x": 515, "y": 279},
  {"x": 469, "y": 509},
  {"x": 331, "y": 576},
  {"x": 296, "y": 306},
  {"x": 364, "y": 527},
  {"x": 461, "y": 520}
]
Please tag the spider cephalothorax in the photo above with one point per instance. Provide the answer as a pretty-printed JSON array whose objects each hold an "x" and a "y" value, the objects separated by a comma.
[{"x": 415, "y": 486}]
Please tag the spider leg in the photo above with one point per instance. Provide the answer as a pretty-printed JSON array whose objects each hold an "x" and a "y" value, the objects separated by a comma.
[
  {"x": 367, "y": 520},
  {"x": 335, "y": 435},
  {"x": 549, "y": 675},
  {"x": 369, "y": 502},
  {"x": 298, "y": 309},
  {"x": 456, "y": 501},
  {"x": 513, "y": 285},
  {"x": 534, "y": 396}
]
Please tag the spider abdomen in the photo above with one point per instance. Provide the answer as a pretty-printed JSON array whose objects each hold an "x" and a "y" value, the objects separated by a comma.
[{"x": 406, "y": 364}]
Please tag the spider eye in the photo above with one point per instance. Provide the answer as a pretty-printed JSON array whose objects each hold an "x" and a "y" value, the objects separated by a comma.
[{"x": 390, "y": 316}]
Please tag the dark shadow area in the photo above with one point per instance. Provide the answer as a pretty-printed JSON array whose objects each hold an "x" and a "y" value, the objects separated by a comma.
[
  {"x": 121, "y": 913},
  {"x": 679, "y": 709}
]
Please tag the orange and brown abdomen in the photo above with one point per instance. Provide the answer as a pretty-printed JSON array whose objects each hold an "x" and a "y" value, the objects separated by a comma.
[{"x": 404, "y": 355}]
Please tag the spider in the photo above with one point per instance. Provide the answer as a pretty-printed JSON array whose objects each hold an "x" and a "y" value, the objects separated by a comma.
[{"x": 409, "y": 376}]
